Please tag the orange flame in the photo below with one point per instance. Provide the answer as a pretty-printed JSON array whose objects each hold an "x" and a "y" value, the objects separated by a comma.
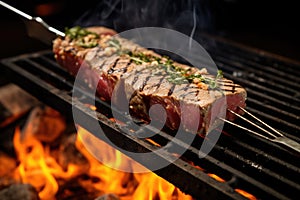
[
  {"x": 33, "y": 168},
  {"x": 39, "y": 168},
  {"x": 138, "y": 186}
]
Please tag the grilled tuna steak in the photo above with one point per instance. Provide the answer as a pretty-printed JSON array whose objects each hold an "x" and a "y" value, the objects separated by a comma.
[{"x": 119, "y": 69}]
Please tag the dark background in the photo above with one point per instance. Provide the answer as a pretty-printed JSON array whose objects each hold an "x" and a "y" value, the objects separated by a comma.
[{"x": 268, "y": 25}]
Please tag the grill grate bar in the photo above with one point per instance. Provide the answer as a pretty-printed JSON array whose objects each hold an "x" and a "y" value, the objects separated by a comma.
[
  {"x": 275, "y": 180},
  {"x": 240, "y": 169},
  {"x": 244, "y": 80},
  {"x": 64, "y": 98},
  {"x": 274, "y": 101},
  {"x": 50, "y": 64},
  {"x": 291, "y": 87},
  {"x": 266, "y": 70},
  {"x": 265, "y": 158},
  {"x": 38, "y": 70},
  {"x": 191, "y": 149},
  {"x": 286, "y": 115},
  {"x": 275, "y": 119},
  {"x": 270, "y": 111},
  {"x": 233, "y": 51},
  {"x": 287, "y": 103},
  {"x": 248, "y": 166}
]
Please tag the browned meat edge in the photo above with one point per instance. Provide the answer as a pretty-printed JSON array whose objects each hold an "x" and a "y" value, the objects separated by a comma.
[{"x": 186, "y": 104}]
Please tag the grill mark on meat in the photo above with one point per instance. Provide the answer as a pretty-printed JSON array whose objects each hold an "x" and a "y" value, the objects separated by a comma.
[
  {"x": 145, "y": 83},
  {"x": 160, "y": 82},
  {"x": 126, "y": 68},
  {"x": 149, "y": 87},
  {"x": 102, "y": 64},
  {"x": 185, "y": 88},
  {"x": 224, "y": 81},
  {"x": 171, "y": 90},
  {"x": 233, "y": 88},
  {"x": 111, "y": 69},
  {"x": 110, "y": 62},
  {"x": 231, "y": 85},
  {"x": 228, "y": 83},
  {"x": 135, "y": 80},
  {"x": 186, "y": 92},
  {"x": 137, "y": 75},
  {"x": 123, "y": 69},
  {"x": 152, "y": 81},
  {"x": 131, "y": 73},
  {"x": 98, "y": 52}
]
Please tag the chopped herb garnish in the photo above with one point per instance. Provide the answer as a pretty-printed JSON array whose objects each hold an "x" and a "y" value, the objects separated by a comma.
[
  {"x": 175, "y": 74},
  {"x": 114, "y": 43},
  {"x": 82, "y": 37},
  {"x": 219, "y": 74}
]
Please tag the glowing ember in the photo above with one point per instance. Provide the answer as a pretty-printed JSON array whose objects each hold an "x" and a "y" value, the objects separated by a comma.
[
  {"x": 92, "y": 107},
  {"x": 153, "y": 142},
  {"x": 216, "y": 177},
  {"x": 246, "y": 194}
]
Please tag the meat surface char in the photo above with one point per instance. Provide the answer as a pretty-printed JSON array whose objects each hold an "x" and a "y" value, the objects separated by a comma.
[{"x": 117, "y": 77}]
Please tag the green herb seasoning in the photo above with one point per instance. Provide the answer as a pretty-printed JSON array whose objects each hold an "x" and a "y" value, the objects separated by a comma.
[
  {"x": 82, "y": 37},
  {"x": 114, "y": 43},
  {"x": 175, "y": 74}
]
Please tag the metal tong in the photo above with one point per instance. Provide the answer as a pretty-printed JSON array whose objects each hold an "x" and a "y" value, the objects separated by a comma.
[
  {"x": 274, "y": 136},
  {"x": 36, "y": 27}
]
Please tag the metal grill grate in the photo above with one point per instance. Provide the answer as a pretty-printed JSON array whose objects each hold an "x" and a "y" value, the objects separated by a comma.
[{"x": 263, "y": 169}]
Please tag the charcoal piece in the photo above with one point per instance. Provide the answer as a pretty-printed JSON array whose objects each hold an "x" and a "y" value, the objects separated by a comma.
[
  {"x": 108, "y": 197},
  {"x": 18, "y": 192},
  {"x": 73, "y": 189},
  {"x": 68, "y": 153},
  {"x": 45, "y": 124},
  {"x": 7, "y": 165},
  {"x": 14, "y": 103},
  {"x": 6, "y": 181}
]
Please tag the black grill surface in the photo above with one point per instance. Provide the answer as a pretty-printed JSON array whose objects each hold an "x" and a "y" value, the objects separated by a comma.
[{"x": 247, "y": 162}]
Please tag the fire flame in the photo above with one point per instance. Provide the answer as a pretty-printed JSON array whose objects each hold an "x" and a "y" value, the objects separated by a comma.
[
  {"x": 137, "y": 186},
  {"x": 38, "y": 167},
  {"x": 33, "y": 168}
]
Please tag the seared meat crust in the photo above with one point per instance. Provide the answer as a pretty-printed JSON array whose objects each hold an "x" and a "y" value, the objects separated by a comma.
[{"x": 116, "y": 76}]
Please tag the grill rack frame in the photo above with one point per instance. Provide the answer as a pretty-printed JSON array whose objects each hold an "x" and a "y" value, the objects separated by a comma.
[{"x": 180, "y": 173}]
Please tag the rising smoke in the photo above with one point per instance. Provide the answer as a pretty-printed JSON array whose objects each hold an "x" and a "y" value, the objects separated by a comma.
[{"x": 186, "y": 16}]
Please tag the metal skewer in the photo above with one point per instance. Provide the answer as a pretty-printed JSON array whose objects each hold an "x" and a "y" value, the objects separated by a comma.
[
  {"x": 36, "y": 27},
  {"x": 274, "y": 136}
]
